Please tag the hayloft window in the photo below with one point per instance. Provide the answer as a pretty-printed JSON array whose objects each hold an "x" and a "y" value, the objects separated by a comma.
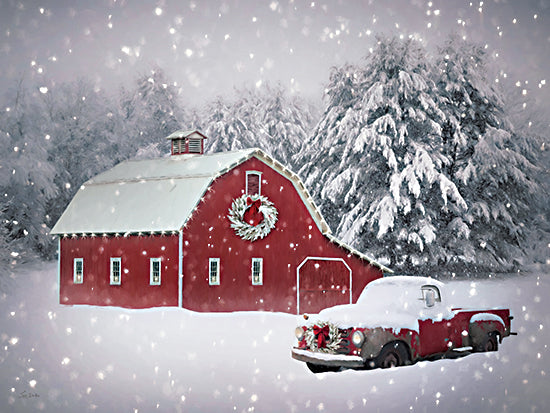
[
  {"x": 78, "y": 270},
  {"x": 257, "y": 271},
  {"x": 253, "y": 182},
  {"x": 214, "y": 271},
  {"x": 154, "y": 271},
  {"x": 115, "y": 270}
]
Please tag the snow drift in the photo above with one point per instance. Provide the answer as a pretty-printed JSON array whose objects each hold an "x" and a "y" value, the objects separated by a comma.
[{"x": 64, "y": 359}]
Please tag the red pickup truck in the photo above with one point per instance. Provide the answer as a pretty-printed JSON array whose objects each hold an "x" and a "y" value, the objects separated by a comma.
[{"x": 396, "y": 321}]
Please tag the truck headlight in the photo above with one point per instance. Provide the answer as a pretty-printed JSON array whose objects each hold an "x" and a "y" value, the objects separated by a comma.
[
  {"x": 299, "y": 333},
  {"x": 357, "y": 338}
]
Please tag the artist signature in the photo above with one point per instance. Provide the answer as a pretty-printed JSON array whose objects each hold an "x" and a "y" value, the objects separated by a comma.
[{"x": 26, "y": 395}]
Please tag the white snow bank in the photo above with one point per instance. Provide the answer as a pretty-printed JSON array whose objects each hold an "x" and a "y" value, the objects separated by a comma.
[{"x": 88, "y": 359}]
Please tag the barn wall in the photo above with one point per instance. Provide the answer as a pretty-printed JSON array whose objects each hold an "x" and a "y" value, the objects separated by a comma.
[
  {"x": 135, "y": 251},
  {"x": 295, "y": 237}
]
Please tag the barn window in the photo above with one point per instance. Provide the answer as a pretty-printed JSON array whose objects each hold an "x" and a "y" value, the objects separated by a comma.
[
  {"x": 154, "y": 271},
  {"x": 257, "y": 271},
  {"x": 115, "y": 270},
  {"x": 78, "y": 270},
  {"x": 253, "y": 182},
  {"x": 214, "y": 271}
]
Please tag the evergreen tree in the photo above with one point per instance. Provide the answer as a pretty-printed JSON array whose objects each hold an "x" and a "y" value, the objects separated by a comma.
[
  {"x": 148, "y": 114},
  {"x": 531, "y": 125},
  {"x": 79, "y": 121},
  {"x": 492, "y": 165},
  {"x": 375, "y": 161},
  {"x": 263, "y": 117},
  {"x": 225, "y": 129},
  {"x": 285, "y": 123},
  {"x": 27, "y": 177}
]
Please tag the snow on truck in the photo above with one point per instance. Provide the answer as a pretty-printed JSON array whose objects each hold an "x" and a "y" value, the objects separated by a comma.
[{"x": 397, "y": 320}]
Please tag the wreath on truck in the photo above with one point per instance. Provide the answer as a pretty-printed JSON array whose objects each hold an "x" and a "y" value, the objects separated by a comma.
[
  {"x": 252, "y": 216},
  {"x": 324, "y": 337}
]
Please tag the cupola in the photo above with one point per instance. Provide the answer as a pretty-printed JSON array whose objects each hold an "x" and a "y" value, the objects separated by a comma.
[{"x": 187, "y": 142}]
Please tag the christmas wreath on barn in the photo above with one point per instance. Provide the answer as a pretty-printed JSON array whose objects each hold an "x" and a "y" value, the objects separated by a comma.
[{"x": 252, "y": 216}]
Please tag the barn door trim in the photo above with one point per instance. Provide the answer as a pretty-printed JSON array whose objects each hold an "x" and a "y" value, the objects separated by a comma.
[
  {"x": 180, "y": 269},
  {"x": 320, "y": 259}
]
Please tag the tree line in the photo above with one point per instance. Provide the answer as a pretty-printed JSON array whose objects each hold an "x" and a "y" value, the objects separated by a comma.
[
  {"x": 52, "y": 141},
  {"x": 416, "y": 159}
]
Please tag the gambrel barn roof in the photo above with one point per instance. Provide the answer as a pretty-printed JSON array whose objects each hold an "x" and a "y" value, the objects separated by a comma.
[{"x": 159, "y": 195}]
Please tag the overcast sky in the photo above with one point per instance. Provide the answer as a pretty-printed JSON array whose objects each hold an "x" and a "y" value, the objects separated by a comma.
[{"x": 211, "y": 47}]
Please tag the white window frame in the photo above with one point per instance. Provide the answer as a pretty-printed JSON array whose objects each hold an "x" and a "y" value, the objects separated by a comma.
[
  {"x": 211, "y": 262},
  {"x": 260, "y": 278},
  {"x": 259, "y": 175},
  {"x": 152, "y": 262},
  {"x": 77, "y": 261},
  {"x": 111, "y": 272}
]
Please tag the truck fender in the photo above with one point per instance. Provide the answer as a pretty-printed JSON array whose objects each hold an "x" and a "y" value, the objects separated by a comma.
[{"x": 483, "y": 324}]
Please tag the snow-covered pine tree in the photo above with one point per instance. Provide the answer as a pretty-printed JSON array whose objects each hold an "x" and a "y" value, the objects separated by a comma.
[
  {"x": 375, "y": 161},
  {"x": 265, "y": 117},
  {"x": 286, "y": 122},
  {"x": 149, "y": 113},
  {"x": 27, "y": 177},
  {"x": 329, "y": 134},
  {"x": 491, "y": 164},
  {"x": 80, "y": 123},
  {"x": 225, "y": 129},
  {"x": 531, "y": 126}
]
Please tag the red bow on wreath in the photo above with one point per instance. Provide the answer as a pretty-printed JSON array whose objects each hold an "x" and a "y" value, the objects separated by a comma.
[
  {"x": 252, "y": 215},
  {"x": 322, "y": 333}
]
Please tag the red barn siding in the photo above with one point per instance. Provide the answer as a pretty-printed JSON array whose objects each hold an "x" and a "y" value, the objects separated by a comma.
[
  {"x": 295, "y": 237},
  {"x": 135, "y": 290},
  {"x": 296, "y": 243}
]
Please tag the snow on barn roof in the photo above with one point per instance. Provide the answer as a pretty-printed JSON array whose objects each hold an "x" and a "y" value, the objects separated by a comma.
[
  {"x": 126, "y": 198},
  {"x": 159, "y": 195},
  {"x": 152, "y": 195}
]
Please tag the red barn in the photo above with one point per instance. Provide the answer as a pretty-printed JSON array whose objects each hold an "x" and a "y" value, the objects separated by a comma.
[{"x": 226, "y": 231}]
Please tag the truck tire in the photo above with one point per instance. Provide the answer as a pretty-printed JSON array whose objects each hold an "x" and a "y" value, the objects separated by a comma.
[
  {"x": 393, "y": 354},
  {"x": 489, "y": 343}
]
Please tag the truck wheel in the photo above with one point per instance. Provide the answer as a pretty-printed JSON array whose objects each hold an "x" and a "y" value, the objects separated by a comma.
[
  {"x": 489, "y": 343},
  {"x": 393, "y": 355},
  {"x": 318, "y": 368}
]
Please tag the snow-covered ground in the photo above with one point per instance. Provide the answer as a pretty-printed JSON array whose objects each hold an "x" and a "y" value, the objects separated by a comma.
[{"x": 79, "y": 359}]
